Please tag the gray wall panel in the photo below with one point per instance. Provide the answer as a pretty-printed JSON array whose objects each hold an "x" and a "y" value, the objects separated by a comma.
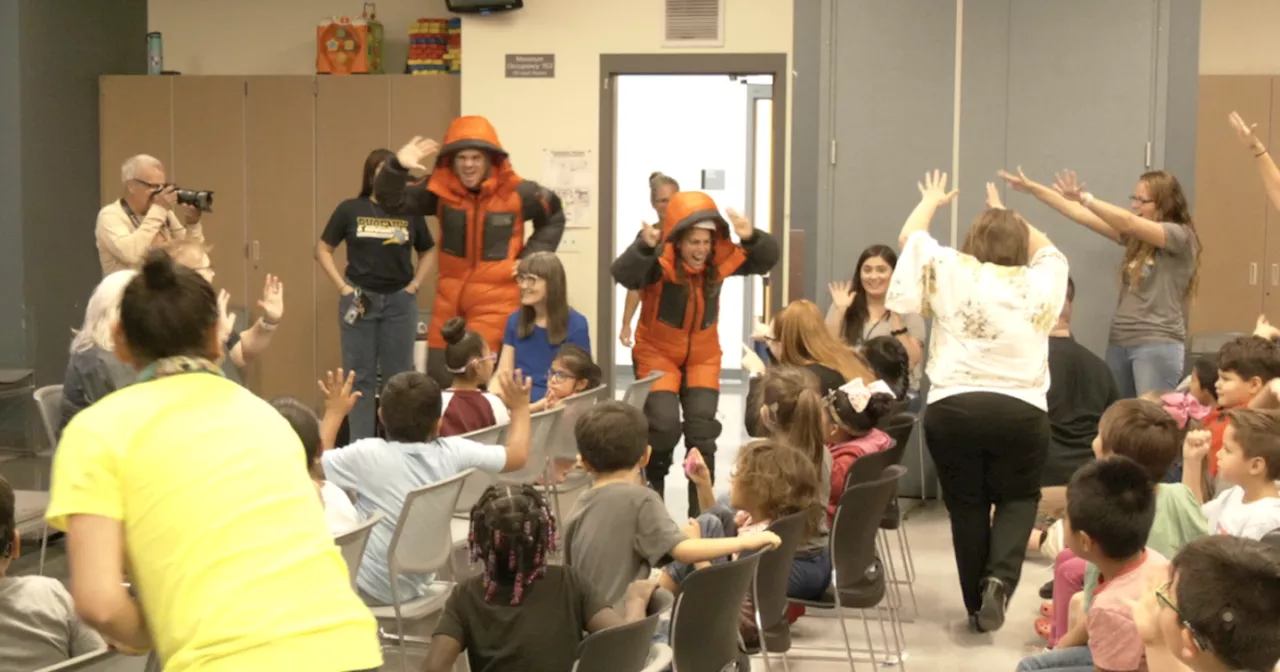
[
  {"x": 13, "y": 340},
  {"x": 893, "y": 90},
  {"x": 806, "y": 99},
  {"x": 984, "y": 106},
  {"x": 1081, "y": 96}
]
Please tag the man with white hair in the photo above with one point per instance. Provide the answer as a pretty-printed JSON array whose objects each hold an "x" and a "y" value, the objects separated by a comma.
[{"x": 148, "y": 215}]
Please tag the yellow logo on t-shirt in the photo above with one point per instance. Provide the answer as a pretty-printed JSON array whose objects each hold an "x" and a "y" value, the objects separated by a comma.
[{"x": 391, "y": 231}]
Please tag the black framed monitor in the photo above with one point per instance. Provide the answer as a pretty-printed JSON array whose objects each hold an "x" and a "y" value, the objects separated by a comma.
[{"x": 482, "y": 6}]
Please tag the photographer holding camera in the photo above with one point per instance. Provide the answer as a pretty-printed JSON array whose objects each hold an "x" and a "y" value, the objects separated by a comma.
[{"x": 149, "y": 215}]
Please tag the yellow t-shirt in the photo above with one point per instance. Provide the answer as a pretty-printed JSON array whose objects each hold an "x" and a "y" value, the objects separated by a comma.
[{"x": 225, "y": 538}]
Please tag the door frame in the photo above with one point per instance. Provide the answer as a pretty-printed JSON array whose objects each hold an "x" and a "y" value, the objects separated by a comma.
[{"x": 612, "y": 65}]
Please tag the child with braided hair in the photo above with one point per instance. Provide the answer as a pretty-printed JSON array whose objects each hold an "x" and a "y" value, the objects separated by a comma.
[{"x": 522, "y": 613}]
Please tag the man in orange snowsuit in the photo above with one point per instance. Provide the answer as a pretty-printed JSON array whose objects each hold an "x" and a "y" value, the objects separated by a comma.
[
  {"x": 482, "y": 206},
  {"x": 679, "y": 281}
]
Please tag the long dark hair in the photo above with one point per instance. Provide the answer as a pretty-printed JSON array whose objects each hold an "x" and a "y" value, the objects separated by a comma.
[
  {"x": 1171, "y": 206},
  {"x": 578, "y": 362},
  {"x": 856, "y": 315},
  {"x": 513, "y": 533},
  {"x": 376, "y": 158},
  {"x": 462, "y": 346},
  {"x": 546, "y": 265},
  {"x": 167, "y": 310},
  {"x": 710, "y": 273}
]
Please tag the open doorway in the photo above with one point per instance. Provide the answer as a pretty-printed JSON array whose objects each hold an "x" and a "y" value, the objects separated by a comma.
[{"x": 706, "y": 121}]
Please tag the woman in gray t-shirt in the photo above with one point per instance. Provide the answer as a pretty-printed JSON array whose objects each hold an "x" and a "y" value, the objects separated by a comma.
[
  {"x": 1146, "y": 348},
  {"x": 858, "y": 315}
]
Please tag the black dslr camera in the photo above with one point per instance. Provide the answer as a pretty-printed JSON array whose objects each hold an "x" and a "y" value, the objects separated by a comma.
[{"x": 196, "y": 198}]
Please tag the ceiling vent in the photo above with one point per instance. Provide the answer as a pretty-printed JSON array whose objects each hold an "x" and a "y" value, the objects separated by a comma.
[{"x": 694, "y": 23}]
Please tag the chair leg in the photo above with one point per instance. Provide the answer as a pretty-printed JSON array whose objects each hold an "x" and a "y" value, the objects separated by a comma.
[
  {"x": 905, "y": 543},
  {"x": 844, "y": 630},
  {"x": 764, "y": 646},
  {"x": 871, "y": 645},
  {"x": 786, "y": 664},
  {"x": 404, "y": 649},
  {"x": 895, "y": 605},
  {"x": 44, "y": 546}
]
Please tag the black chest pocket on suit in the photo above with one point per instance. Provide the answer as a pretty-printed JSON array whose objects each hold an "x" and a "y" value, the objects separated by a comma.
[
  {"x": 710, "y": 306},
  {"x": 453, "y": 231},
  {"x": 672, "y": 304},
  {"x": 498, "y": 229}
]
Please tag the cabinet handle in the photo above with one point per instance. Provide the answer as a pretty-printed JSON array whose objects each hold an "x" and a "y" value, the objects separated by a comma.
[
  {"x": 256, "y": 251},
  {"x": 1253, "y": 271},
  {"x": 1275, "y": 275}
]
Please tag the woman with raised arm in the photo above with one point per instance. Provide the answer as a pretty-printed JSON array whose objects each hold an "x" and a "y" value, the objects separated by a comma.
[
  {"x": 1261, "y": 156},
  {"x": 858, "y": 314},
  {"x": 1145, "y": 350},
  {"x": 993, "y": 303}
]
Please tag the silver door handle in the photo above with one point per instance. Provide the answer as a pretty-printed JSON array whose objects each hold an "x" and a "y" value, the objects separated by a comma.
[{"x": 1253, "y": 273}]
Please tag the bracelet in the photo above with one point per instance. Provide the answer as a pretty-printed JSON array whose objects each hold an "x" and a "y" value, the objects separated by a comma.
[{"x": 1259, "y": 154}]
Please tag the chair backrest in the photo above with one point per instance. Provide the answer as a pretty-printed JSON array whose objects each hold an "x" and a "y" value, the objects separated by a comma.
[
  {"x": 854, "y": 530},
  {"x": 543, "y": 427},
  {"x": 422, "y": 542},
  {"x": 479, "y": 481},
  {"x": 638, "y": 391},
  {"x": 775, "y": 569},
  {"x": 97, "y": 661},
  {"x": 624, "y": 648},
  {"x": 869, "y": 467},
  {"x": 704, "y": 625},
  {"x": 564, "y": 445},
  {"x": 49, "y": 401},
  {"x": 352, "y": 544},
  {"x": 899, "y": 426}
]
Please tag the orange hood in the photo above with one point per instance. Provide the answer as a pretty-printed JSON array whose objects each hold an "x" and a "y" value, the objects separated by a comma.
[
  {"x": 471, "y": 132},
  {"x": 687, "y": 208}
]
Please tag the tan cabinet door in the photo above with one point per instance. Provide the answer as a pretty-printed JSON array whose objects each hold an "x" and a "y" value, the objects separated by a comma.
[
  {"x": 1269, "y": 133},
  {"x": 134, "y": 118},
  {"x": 1230, "y": 206}
]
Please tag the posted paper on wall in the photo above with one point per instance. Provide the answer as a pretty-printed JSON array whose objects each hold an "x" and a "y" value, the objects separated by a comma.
[{"x": 568, "y": 173}]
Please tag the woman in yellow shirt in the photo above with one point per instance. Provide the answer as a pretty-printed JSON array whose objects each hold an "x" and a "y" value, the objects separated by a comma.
[{"x": 200, "y": 491}]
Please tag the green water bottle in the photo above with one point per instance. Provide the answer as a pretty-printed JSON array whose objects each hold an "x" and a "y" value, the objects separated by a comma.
[{"x": 155, "y": 54}]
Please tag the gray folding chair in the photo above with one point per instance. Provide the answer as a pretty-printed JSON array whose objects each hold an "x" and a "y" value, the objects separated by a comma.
[
  {"x": 353, "y": 542},
  {"x": 421, "y": 544},
  {"x": 626, "y": 648},
  {"x": 900, "y": 428},
  {"x": 564, "y": 448},
  {"x": 479, "y": 480},
  {"x": 49, "y": 403},
  {"x": 543, "y": 427},
  {"x": 104, "y": 660},
  {"x": 858, "y": 576},
  {"x": 772, "y": 575},
  {"x": 704, "y": 623},
  {"x": 638, "y": 391}
]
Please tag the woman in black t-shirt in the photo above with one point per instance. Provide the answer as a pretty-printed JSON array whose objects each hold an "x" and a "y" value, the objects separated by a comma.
[{"x": 377, "y": 309}]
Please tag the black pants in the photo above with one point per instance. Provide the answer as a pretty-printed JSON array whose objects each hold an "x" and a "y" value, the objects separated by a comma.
[
  {"x": 700, "y": 429},
  {"x": 989, "y": 449}
]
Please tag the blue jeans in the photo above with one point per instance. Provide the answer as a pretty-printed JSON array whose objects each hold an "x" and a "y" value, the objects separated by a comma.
[
  {"x": 1074, "y": 659},
  {"x": 1150, "y": 367},
  {"x": 380, "y": 341}
]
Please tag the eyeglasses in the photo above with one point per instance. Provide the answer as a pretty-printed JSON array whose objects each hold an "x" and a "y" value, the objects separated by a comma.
[
  {"x": 526, "y": 279},
  {"x": 1162, "y": 593},
  {"x": 560, "y": 375},
  {"x": 487, "y": 358},
  {"x": 1134, "y": 198}
]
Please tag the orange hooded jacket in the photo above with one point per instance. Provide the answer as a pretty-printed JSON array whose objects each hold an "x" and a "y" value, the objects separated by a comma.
[
  {"x": 481, "y": 230},
  {"x": 677, "y": 331}
]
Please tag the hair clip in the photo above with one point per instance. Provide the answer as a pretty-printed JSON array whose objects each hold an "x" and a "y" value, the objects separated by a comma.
[{"x": 860, "y": 393}]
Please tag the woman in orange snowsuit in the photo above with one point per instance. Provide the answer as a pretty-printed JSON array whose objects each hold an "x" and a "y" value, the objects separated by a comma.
[
  {"x": 679, "y": 281},
  {"x": 483, "y": 207}
]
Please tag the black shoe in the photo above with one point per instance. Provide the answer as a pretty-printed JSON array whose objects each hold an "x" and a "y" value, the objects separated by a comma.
[
  {"x": 1046, "y": 591},
  {"x": 973, "y": 624},
  {"x": 995, "y": 598}
]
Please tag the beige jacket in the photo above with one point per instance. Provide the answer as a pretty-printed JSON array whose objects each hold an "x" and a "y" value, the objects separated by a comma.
[{"x": 121, "y": 245}]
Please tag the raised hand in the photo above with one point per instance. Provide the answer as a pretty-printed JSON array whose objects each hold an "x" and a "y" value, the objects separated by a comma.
[
  {"x": 1245, "y": 132},
  {"x": 993, "y": 197},
  {"x": 272, "y": 302},
  {"x": 761, "y": 331},
  {"x": 166, "y": 197},
  {"x": 652, "y": 235},
  {"x": 336, "y": 388},
  {"x": 934, "y": 189},
  {"x": 1264, "y": 329},
  {"x": 1017, "y": 182},
  {"x": 741, "y": 225},
  {"x": 1196, "y": 446},
  {"x": 413, "y": 155},
  {"x": 513, "y": 390},
  {"x": 842, "y": 294},
  {"x": 226, "y": 321},
  {"x": 1068, "y": 185}
]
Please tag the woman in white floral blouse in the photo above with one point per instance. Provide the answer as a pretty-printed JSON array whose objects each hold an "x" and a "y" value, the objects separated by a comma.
[{"x": 993, "y": 303}]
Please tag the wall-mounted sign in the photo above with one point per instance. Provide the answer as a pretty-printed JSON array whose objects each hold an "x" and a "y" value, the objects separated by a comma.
[{"x": 531, "y": 65}]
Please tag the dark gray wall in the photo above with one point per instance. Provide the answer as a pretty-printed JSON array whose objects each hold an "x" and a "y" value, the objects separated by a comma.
[
  {"x": 51, "y": 56},
  {"x": 810, "y": 47}
]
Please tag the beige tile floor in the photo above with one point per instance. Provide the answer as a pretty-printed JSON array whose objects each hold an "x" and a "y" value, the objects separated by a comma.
[{"x": 938, "y": 640}]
